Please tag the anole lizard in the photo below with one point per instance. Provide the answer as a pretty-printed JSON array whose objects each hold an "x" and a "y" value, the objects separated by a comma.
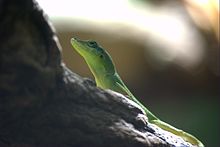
[{"x": 106, "y": 77}]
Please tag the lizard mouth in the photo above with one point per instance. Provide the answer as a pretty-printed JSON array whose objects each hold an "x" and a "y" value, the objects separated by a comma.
[{"x": 79, "y": 46}]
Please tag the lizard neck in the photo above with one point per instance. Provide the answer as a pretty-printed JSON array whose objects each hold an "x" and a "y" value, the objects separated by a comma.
[{"x": 105, "y": 81}]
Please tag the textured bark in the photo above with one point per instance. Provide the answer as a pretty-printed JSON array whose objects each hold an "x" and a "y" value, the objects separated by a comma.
[{"x": 43, "y": 103}]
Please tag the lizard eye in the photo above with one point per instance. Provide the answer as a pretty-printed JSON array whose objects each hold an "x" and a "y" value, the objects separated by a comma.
[
  {"x": 101, "y": 56},
  {"x": 92, "y": 44}
]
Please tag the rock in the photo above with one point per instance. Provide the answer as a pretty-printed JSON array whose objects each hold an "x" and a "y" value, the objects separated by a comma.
[{"x": 43, "y": 103}]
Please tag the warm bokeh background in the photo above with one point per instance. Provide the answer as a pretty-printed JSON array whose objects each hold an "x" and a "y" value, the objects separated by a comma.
[{"x": 166, "y": 51}]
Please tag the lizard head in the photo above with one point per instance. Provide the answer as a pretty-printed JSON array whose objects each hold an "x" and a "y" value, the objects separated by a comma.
[{"x": 97, "y": 58}]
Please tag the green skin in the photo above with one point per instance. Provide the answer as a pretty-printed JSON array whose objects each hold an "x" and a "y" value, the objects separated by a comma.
[{"x": 106, "y": 77}]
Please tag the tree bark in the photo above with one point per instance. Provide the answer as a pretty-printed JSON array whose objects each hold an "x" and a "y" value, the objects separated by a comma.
[{"x": 43, "y": 103}]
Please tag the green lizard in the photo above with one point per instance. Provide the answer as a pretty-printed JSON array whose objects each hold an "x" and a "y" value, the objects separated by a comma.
[{"x": 106, "y": 77}]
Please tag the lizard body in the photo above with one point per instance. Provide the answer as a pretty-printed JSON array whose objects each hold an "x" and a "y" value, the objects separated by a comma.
[{"x": 106, "y": 77}]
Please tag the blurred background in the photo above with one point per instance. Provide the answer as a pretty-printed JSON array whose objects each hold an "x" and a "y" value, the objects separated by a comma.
[{"x": 166, "y": 51}]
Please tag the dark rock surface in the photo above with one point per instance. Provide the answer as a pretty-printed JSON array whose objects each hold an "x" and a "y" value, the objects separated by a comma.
[{"x": 43, "y": 103}]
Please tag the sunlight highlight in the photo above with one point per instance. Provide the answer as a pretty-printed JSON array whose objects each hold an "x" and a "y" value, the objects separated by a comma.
[{"x": 173, "y": 39}]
